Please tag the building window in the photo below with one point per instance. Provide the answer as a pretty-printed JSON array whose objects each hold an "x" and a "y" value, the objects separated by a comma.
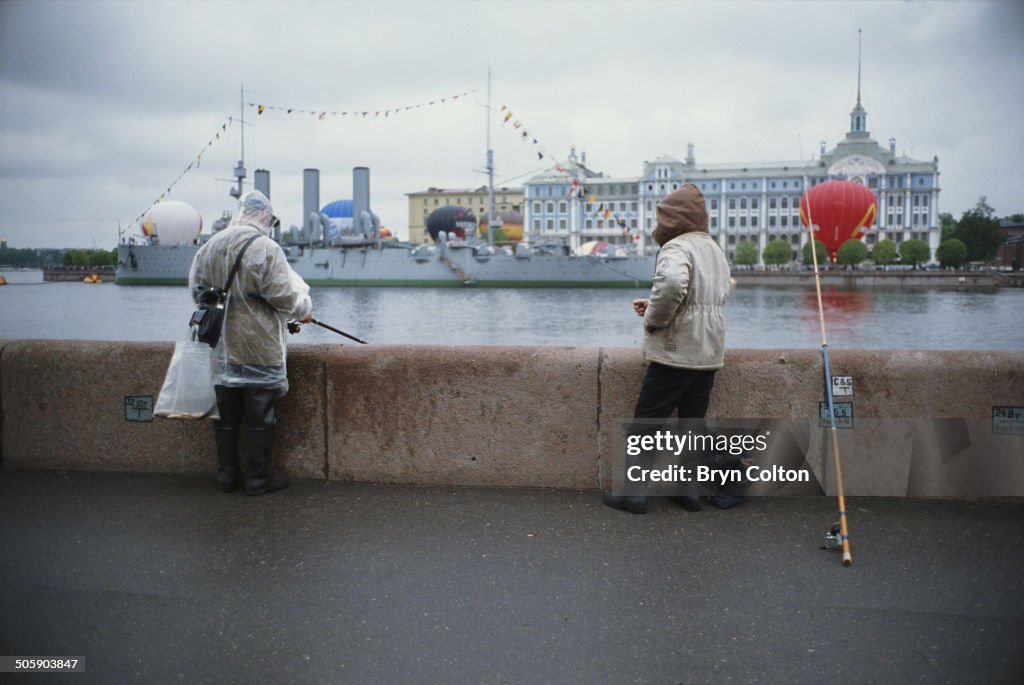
[
  {"x": 714, "y": 204},
  {"x": 551, "y": 208},
  {"x": 732, "y": 222},
  {"x": 562, "y": 207},
  {"x": 732, "y": 203},
  {"x": 785, "y": 204},
  {"x": 551, "y": 224},
  {"x": 563, "y": 224},
  {"x": 753, "y": 203},
  {"x": 536, "y": 208},
  {"x": 743, "y": 202},
  {"x": 771, "y": 203}
]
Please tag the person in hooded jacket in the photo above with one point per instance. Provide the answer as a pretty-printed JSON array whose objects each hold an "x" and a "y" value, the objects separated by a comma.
[
  {"x": 684, "y": 324},
  {"x": 249, "y": 361}
]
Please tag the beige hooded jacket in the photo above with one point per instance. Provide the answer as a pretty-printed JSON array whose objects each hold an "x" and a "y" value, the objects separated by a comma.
[{"x": 684, "y": 325}]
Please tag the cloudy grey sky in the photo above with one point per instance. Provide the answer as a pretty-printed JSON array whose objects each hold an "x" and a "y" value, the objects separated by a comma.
[{"x": 104, "y": 104}]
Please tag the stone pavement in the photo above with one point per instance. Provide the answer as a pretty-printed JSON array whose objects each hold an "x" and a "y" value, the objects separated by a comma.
[{"x": 157, "y": 579}]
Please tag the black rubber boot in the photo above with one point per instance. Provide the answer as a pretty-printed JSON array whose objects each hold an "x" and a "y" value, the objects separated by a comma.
[
  {"x": 227, "y": 458},
  {"x": 259, "y": 480},
  {"x": 260, "y": 420},
  {"x": 231, "y": 405}
]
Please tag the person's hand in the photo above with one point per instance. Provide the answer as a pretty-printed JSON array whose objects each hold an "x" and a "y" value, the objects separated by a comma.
[
  {"x": 640, "y": 306},
  {"x": 308, "y": 318}
]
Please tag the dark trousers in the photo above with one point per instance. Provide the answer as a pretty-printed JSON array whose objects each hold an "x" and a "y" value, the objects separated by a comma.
[
  {"x": 254, "y": 405},
  {"x": 665, "y": 390}
]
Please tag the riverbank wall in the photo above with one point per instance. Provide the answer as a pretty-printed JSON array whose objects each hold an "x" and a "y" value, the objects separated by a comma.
[
  {"x": 856, "y": 278},
  {"x": 921, "y": 423},
  {"x": 75, "y": 275}
]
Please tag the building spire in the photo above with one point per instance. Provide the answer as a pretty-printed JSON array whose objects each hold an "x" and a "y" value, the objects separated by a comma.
[
  {"x": 858, "y": 66},
  {"x": 858, "y": 117}
]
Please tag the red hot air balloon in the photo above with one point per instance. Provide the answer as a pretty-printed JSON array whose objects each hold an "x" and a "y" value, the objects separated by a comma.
[{"x": 840, "y": 210}]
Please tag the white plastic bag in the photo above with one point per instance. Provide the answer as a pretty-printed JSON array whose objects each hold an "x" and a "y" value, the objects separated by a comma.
[{"x": 188, "y": 392}]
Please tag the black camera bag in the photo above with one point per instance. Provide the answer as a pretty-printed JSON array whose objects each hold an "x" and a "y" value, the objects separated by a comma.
[{"x": 208, "y": 320}]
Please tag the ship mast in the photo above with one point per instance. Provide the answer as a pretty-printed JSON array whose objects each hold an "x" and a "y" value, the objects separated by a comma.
[
  {"x": 490, "y": 168},
  {"x": 240, "y": 168}
]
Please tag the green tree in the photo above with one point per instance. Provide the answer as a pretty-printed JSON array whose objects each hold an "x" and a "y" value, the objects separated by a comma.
[
  {"x": 778, "y": 252},
  {"x": 949, "y": 226},
  {"x": 746, "y": 253},
  {"x": 75, "y": 258},
  {"x": 102, "y": 257},
  {"x": 21, "y": 257},
  {"x": 978, "y": 230},
  {"x": 914, "y": 252},
  {"x": 951, "y": 252},
  {"x": 884, "y": 252},
  {"x": 819, "y": 248},
  {"x": 852, "y": 253}
]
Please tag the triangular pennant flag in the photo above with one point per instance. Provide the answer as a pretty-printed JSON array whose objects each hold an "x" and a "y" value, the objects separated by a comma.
[{"x": 259, "y": 110}]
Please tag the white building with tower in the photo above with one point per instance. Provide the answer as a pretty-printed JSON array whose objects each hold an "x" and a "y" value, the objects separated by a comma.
[{"x": 757, "y": 201}]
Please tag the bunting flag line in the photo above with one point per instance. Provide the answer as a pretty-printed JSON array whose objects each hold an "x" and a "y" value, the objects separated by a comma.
[
  {"x": 575, "y": 190},
  {"x": 526, "y": 137},
  {"x": 323, "y": 114},
  {"x": 194, "y": 164}
]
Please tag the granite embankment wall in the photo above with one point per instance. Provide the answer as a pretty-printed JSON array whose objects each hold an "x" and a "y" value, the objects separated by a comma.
[{"x": 525, "y": 416}]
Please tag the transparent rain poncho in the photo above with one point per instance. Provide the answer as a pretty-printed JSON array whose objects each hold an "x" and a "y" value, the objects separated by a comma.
[{"x": 264, "y": 295}]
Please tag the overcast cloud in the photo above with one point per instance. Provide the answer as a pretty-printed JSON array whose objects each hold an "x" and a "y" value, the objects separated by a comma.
[{"x": 103, "y": 104}]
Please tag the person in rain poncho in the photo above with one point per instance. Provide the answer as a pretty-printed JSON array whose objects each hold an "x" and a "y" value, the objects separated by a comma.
[
  {"x": 684, "y": 326},
  {"x": 249, "y": 361}
]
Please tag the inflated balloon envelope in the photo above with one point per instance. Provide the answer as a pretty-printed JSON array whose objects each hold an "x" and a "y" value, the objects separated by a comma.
[{"x": 841, "y": 210}]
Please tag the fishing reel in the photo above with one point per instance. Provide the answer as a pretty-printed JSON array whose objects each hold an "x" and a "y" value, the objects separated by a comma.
[
  {"x": 833, "y": 538},
  {"x": 294, "y": 327}
]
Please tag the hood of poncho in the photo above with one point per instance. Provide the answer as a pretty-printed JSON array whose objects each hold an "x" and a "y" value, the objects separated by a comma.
[{"x": 681, "y": 211}]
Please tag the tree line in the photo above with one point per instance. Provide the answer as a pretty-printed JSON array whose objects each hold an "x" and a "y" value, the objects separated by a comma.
[
  {"x": 45, "y": 258},
  {"x": 974, "y": 238}
]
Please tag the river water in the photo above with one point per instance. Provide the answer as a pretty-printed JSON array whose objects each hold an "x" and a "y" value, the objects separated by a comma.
[{"x": 757, "y": 316}]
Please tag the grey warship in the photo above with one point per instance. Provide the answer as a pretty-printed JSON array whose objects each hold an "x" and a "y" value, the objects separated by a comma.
[{"x": 360, "y": 256}]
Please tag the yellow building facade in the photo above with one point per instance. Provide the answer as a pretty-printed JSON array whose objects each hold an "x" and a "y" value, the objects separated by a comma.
[{"x": 422, "y": 203}]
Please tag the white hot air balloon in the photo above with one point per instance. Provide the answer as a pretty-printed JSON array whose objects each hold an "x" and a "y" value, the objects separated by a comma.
[{"x": 171, "y": 222}]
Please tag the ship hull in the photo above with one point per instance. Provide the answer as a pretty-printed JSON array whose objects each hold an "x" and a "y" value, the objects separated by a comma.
[{"x": 400, "y": 267}]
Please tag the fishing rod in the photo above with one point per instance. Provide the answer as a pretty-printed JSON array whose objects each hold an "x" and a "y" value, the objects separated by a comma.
[
  {"x": 842, "y": 533},
  {"x": 295, "y": 326}
]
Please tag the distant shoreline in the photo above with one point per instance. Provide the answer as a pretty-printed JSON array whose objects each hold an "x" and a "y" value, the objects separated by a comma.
[{"x": 883, "y": 279}]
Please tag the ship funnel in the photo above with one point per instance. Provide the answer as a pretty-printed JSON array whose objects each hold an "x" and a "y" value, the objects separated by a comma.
[
  {"x": 361, "y": 200},
  {"x": 261, "y": 181},
  {"x": 310, "y": 201}
]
